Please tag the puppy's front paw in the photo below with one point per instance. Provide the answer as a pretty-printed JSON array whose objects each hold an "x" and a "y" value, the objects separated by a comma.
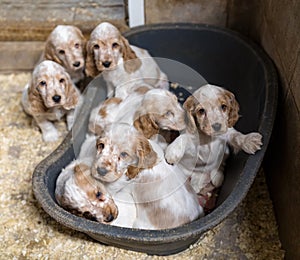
[
  {"x": 252, "y": 143},
  {"x": 50, "y": 136},
  {"x": 173, "y": 155}
]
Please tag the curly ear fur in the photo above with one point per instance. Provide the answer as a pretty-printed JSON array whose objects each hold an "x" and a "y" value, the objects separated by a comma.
[
  {"x": 90, "y": 66},
  {"x": 189, "y": 106},
  {"x": 233, "y": 106},
  {"x": 72, "y": 94},
  {"x": 132, "y": 171},
  {"x": 36, "y": 102},
  {"x": 85, "y": 181},
  {"x": 131, "y": 62},
  {"x": 146, "y": 125},
  {"x": 146, "y": 156},
  {"x": 83, "y": 177},
  {"x": 50, "y": 54}
]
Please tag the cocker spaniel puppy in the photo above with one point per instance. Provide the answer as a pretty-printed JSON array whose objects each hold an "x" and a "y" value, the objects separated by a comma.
[
  {"x": 66, "y": 45},
  {"x": 161, "y": 192},
  {"x": 150, "y": 112},
  {"x": 124, "y": 67},
  {"x": 126, "y": 159},
  {"x": 78, "y": 192},
  {"x": 202, "y": 150},
  {"x": 50, "y": 96}
]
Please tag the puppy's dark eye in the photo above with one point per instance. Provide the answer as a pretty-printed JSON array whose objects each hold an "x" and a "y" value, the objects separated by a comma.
[
  {"x": 169, "y": 113},
  {"x": 61, "y": 80},
  {"x": 223, "y": 107},
  {"x": 77, "y": 45},
  {"x": 100, "y": 146},
  {"x": 99, "y": 196},
  {"x": 202, "y": 111},
  {"x": 123, "y": 155},
  {"x": 115, "y": 45},
  {"x": 62, "y": 52},
  {"x": 96, "y": 46},
  {"x": 43, "y": 83}
]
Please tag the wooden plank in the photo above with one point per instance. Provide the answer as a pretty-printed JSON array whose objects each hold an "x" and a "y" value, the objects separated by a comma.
[
  {"x": 27, "y": 20},
  {"x": 19, "y": 56}
]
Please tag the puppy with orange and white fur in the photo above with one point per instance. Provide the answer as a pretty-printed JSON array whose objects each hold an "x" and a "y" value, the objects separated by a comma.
[
  {"x": 124, "y": 67},
  {"x": 50, "y": 96},
  {"x": 211, "y": 113},
  {"x": 149, "y": 112},
  {"x": 78, "y": 192},
  {"x": 66, "y": 45},
  {"x": 127, "y": 162}
]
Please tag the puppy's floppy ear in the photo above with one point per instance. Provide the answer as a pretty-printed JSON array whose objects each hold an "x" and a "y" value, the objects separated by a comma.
[
  {"x": 146, "y": 157},
  {"x": 132, "y": 171},
  {"x": 131, "y": 62},
  {"x": 36, "y": 102},
  {"x": 190, "y": 105},
  {"x": 233, "y": 107},
  {"x": 85, "y": 181},
  {"x": 146, "y": 125},
  {"x": 72, "y": 94},
  {"x": 90, "y": 66},
  {"x": 50, "y": 52}
]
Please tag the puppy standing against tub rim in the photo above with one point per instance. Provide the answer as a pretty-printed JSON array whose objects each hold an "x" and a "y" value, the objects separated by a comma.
[{"x": 211, "y": 114}]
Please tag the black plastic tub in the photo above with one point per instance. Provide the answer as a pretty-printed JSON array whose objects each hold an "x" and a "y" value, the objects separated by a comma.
[{"x": 223, "y": 58}]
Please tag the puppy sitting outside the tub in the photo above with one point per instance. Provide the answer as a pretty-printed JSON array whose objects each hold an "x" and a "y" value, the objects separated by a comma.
[
  {"x": 66, "y": 46},
  {"x": 211, "y": 113},
  {"x": 50, "y": 96}
]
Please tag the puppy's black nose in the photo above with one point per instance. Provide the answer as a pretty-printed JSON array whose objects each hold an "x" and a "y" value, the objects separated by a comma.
[
  {"x": 102, "y": 171},
  {"x": 216, "y": 126},
  {"x": 109, "y": 218},
  {"x": 76, "y": 64},
  {"x": 56, "y": 98},
  {"x": 106, "y": 64}
]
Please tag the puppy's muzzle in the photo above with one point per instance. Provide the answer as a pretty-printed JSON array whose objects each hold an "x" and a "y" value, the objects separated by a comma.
[
  {"x": 102, "y": 171},
  {"x": 109, "y": 218},
  {"x": 56, "y": 98},
  {"x": 106, "y": 64}
]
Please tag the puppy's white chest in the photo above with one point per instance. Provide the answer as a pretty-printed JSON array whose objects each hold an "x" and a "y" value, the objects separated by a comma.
[
  {"x": 56, "y": 114},
  {"x": 211, "y": 152}
]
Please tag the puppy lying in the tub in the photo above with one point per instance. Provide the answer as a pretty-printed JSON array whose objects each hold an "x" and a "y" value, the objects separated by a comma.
[
  {"x": 78, "y": 192},
  {"x": 123, "y": 66},
  {"x": 81, "y": 194},
  {"x": 133, "y": 167},
  {"x": 50, "y": 96},
  {"x": 211, "y": 115}
]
